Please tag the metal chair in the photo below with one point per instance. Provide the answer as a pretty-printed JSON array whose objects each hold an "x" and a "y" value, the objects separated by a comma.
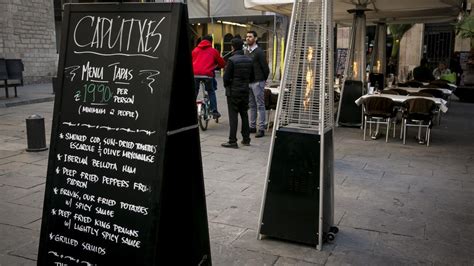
[
  {"x": 389, "y": 91},
  {"x": 418, "y": 113},
  {"x": 15, "y": 72},
  {"x": 4, "y": 75},
  {"x": 271, "y": 101},
  {"x": 435, "y": 92},
  {"x": 414, "y": 83},
  {"x": 441, "y": 84},
  {"x": 421, "y": 94},
  {"x": 400, "y": 91},
  {"x": 378, "y": 110}
]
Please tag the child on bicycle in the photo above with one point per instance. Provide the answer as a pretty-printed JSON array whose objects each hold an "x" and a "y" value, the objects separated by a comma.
[{"x": 205, "y": 60}]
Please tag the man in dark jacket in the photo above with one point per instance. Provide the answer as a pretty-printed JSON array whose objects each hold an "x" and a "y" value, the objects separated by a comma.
[
  {"x": 422, "y": 72},
  {"x": 257, "y": 85},
  {"x": 236, "y": 82},
  {"x": 205, "y": 60}
]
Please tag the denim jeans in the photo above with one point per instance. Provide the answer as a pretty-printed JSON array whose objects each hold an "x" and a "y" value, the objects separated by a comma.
[
  {"x": 257, "y": 105},
  {"x": 210, "y": 88}
]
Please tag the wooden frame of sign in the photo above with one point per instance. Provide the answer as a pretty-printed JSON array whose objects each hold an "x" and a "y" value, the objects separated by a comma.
[{"x": 120, "y": 188}]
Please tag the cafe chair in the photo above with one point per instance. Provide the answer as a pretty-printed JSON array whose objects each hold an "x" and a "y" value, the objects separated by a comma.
[
  {"x": 420, "y": 94},
  {"x": 419, "y": 113},
  {"x": 439, "y": 83},
  {"x": 389, "y": 91},
  {"x": 435, "y": 92},
  {"x": 400, "y": 91},
  {"x": 271, "y": 101},
  {"x": 414, "y": 84},
  {"x": 378, "y": 110}
]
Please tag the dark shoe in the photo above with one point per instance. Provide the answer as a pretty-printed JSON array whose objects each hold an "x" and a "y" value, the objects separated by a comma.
[
  {"x": 230, "y": 145},
  {"x": 245, "y": 142},
  {"x": 253, "y": 130},
  {"x": 260, "y": 134},
  {"x": 216, "y": 115}
]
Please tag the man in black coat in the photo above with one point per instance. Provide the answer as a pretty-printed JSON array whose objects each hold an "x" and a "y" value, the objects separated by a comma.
[
  {"x": 236, "y": 82},
  {"x": 422, "y": 72}
]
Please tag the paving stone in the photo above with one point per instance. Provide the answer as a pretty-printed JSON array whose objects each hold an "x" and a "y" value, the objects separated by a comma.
[
  {"x": 9, "y": 167},
  {"x": 30, "y": 170},
  {"x": 350, "y": 239},
  {"x": 249, "y": 241},
  {"x": 347, "y": 192},
  {"x": 217, "y": 204},
  {"x": 434, "y": 251},
  {"x": 349, "y": 165},
  {"x": 5, "y": 161},
  {"x": 229, "y": 176},
  {"x": 13, "y": 146},
  {"x": 43, "y": 162},
  {"x": 384, "y": 221},
  {"x": 17, "y": 215},
  {"x": 368, "y": 259},
  {"x": 239, "y": 217},
  {"x": 34, "y": 200},
  {"x": 225, "y": 187},
  {"x": 360, "y": 173},
  {"x": 15, "y": 179},
  {"x": 398, "y": 170},
  {"x": 8, "y": 193},
  {"x": 390, "y": 245},
  {"x": 224, "y": 255},
  {"x": 14, "y": 237},
  {"x": 30, "y": 157},
  {"x": 35, "y": 225},
  {"x": 224, "y": 234},
  {"x": 282, "y": 261},
  {"x": 28, "y": 250},
  {"x": 6, "y": 260}
]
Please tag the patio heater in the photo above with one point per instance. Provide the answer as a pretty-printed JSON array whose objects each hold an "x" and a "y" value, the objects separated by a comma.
[
  {"x": 350, "y": 114},
  {"x": 378, "y": 58},
  {"x": 299, "y": 192}
]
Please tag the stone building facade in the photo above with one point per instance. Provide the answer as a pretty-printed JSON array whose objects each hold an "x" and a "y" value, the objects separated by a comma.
[{"x": 27, "y": 32}]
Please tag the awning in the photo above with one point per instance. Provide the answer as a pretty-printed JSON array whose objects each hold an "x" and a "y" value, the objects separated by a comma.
[
  {"x": 202, "y": 9},
  {"x": 393, "y": 11}
]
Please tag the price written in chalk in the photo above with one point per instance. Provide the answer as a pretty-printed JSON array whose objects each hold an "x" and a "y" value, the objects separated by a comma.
[{"x": 94, "y": 93}]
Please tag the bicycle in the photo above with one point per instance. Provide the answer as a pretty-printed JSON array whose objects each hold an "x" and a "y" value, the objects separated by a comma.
[{"x": 204, "y": 105}]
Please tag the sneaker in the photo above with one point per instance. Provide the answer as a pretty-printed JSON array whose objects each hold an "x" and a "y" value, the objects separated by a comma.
[
  {"x": 245, "y": 142},
  {"x": 216, "y": 115},
  {"x": 260, "y": 134},
  {"x": 253, "y": 130},
  {"x": 230, "y": 145}
]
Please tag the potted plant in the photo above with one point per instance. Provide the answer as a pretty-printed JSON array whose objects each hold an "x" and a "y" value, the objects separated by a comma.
[{"x": 465, "y": 29}]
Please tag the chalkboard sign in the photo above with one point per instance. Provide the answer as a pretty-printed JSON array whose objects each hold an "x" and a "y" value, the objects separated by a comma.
[{"x": 121, "y": 189}]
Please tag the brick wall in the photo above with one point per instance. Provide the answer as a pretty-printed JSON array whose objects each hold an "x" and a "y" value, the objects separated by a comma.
[{"x": 27, "y": 32}]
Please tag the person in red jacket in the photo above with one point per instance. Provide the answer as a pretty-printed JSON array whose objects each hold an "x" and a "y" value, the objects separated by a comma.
[{"x": 205, "y": 61}]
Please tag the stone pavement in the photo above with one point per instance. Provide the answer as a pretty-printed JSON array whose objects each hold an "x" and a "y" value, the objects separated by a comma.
[
  {"x": 28, "y": 94},
  {"x": 395, "y": 204}
]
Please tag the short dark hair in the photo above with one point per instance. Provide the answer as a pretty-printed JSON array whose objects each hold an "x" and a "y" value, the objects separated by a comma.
[
  {"x": 254, "y": 33},
  {"x": 423, "y": 62},
  {"x": 207, "y": 38},
  {"x": 237, "y": 44}
]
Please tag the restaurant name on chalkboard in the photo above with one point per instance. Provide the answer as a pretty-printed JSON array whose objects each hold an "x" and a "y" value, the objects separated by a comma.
[{"x": 116, "y": 34}]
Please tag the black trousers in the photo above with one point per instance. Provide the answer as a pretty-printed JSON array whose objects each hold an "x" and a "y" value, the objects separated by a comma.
[{"x": 238, "y": 105}]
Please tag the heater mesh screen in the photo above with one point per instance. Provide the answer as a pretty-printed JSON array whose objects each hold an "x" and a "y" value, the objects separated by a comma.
[{"x": 308, "y": 76}]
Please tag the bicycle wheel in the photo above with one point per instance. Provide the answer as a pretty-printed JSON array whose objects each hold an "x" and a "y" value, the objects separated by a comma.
[{"x": 203, "y": 117}]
